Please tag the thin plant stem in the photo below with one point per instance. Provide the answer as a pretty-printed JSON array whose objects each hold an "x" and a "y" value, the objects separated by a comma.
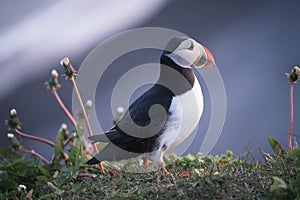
[
  {"x": 83, "y": 112},
  {"x": 291, "y": 116},
  {"x": 86, "y": 119},
  {"x": 62, "y": 105},
  {"x": 50, "y": 143},
  {"x": 70, "y": 140},
  {"x": 67, "y": 141},
  {"x": 32, "y": 152},
  {"x": 73, "y": 121}
]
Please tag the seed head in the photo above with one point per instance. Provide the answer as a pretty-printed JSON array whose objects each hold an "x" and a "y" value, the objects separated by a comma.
[
  {"x": 120, "y": 110},
  {"x": 65, "y": 61},
  {"x": 13, "y": 121},
  {"x": 53, "y": 83},
  {"x": 89, "y": 103},
  {"x": 294, "y": 75},
  {"x": 69, "y": 70},
  {"x": 54, "y": 73},
  {"x": 13, "y": 112},
  {"x": 15, "y": 144},
  {"x": 119, "y": 115},
  {"x": 10, "y": 135},
  {"x": 64, "y": 130},
  {"x": 64, "y": 126}
]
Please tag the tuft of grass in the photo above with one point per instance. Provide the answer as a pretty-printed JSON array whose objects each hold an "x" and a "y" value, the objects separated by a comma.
[{"x": 191, "y": 177}]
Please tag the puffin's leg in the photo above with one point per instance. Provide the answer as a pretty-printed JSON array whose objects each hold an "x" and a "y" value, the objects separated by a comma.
[
  {"x": 163, "y": 168},
  {"x": 162, "y": 164},
  {"x": 101, "y": 167},
  {"x": 157, "y": 157},
  {"x": 165, "y": 171},
  {"x": 146, "y": 162}
]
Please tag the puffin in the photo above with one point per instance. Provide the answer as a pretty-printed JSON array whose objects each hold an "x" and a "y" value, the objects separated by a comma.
[{"x": 166, "y": 114}]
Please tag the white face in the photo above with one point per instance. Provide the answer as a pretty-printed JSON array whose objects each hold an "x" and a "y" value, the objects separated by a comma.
[{"x": 187, "y": 53}]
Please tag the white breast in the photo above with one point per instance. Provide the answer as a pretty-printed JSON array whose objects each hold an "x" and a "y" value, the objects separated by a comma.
[{"x": 186, "y": 110}]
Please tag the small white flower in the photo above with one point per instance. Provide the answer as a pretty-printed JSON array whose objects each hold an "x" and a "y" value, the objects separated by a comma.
[
  {"x": 54, "y": 73},
  {"x": 120, "y": 110},
  {"x": 13, "y": 112},
  {"x": 22, "y": 188},
  {"x": 201, "y": 161},
  {"x": 180, "y": 192},
  {"x": 89, "y": 103},
  {"x": 65, "y": 61},
  {"x": 10, "y": 135},
  {"x": 64, "y": 126}
]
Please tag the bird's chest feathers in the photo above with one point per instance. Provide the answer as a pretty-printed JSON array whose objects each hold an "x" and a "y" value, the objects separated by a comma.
[{"x": 185, "y": 112}]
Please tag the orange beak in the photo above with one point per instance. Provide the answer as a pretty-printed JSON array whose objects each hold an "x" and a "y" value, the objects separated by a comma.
[{"x": 206, "y": 60}]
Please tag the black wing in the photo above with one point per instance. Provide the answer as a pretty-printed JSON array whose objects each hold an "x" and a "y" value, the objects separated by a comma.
[{"x": 138, "y": 130}]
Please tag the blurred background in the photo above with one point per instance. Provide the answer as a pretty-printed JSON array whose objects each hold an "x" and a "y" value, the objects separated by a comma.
[{"x": 254, "y": 43}]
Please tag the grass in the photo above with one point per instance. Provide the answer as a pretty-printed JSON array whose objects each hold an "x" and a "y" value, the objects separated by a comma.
[{"x": 191, "y": 177}]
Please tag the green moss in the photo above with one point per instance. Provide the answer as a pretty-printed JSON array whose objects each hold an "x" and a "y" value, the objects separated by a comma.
[{"x": 210, "y": 177}]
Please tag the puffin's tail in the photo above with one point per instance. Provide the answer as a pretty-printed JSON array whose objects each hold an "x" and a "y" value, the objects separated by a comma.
[
  {"x": 105, "y": 137},
  {"x": 112, "y": 152},
  {"x": 93, "y": 161}
]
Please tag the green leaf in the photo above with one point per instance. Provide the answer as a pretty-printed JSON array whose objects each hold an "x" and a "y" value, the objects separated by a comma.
[
  {"x": 76, "y": 152},
  {"x": 59, "y": 148},
  {"x": 189, "y": 158},
  {"x": 56, "y": 189},
  {"x": 6, "y": 182},
  {"x": 75, "y": 174},
  {"x": 229, "y": 154},
  {"x": 294, "y": 153},
  {"x": 44, "y": 171},
  {"x": 79, "y": 129},
  {"x": 278, "y": 184},
  {"x": 276, "y": 147},
  {"x": 7, "y": 154},
  {"x": 297, "y": 163}
]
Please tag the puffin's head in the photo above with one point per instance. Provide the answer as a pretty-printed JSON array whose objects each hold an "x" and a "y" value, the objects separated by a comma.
[{"x": 188, "y": 53}]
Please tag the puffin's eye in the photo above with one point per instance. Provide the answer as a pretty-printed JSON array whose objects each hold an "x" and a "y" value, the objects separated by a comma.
[{"x": 191, "y": 47}]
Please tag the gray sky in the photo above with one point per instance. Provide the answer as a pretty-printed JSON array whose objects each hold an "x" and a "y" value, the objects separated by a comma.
[{"x": 254, "y": 43}]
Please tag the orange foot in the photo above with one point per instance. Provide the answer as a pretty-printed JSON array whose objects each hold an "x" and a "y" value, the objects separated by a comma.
[
  {"x": 146, "y": 163},
  {"x": 112, "y": 173},
  {"x": 165, "y": 171},
  {"x": 185, "y": 174}
]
